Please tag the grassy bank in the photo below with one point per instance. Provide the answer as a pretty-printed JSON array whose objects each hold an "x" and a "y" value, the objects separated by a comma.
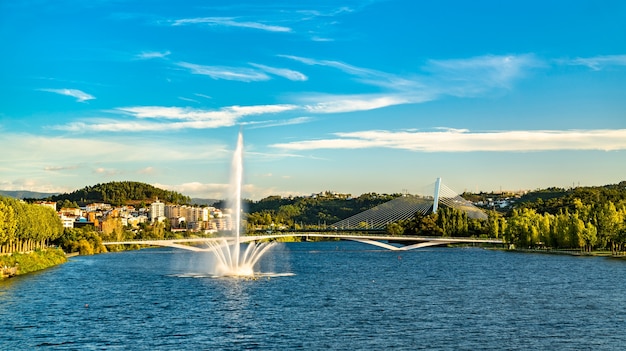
[{"x": 22, "y": 263}]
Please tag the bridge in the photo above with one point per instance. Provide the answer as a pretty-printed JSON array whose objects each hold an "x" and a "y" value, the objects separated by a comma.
[
  {"x": 384, "y": 241},
  {"x": 406, "y": 206}
]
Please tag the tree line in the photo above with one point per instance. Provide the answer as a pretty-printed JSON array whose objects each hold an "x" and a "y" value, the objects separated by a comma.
[
  {"x": 26, "y": 227},
  {"x": 581, "y": 218},
  {"x": 584, "y": 218}
]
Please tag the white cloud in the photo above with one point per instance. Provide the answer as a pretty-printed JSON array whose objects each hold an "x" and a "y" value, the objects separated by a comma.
[
  {"x": 199, "y": 190},
  {"x": 147, "y": 170},
  {"x": 80, "y": 96},
  {"x": 279, "y": 123},
  {"x": 350, "y": 103},
  {"x": 203, "y": 96},
  {"x": 282, "y": 72},
  {"x": 152, "y": 55},
  {"x": 188, "y": 99},
  {"x": 59, "y": 168},
  {"x": 454, "y": 140},
  {"x": 242, "y": 74},
  {"x": 460, "y": 77},
  {"x": 33, "y": 185},
  {"x": 365, "y": 75},
  {"x": 106, "y": 172},
  {"x": 230, "y": 22},
  {"x": 43, "y": 151},
  {"x": 597, "y": 63},
  {"x": 162, "y": 118}
]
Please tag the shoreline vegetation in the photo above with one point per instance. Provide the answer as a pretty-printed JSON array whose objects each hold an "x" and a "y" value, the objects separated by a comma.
[{"x": 15, "y": 264}]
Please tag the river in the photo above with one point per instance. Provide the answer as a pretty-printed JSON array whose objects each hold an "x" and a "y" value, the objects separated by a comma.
[{"x": 327, "y": 295}]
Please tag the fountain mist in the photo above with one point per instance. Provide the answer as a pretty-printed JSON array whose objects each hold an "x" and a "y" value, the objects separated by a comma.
[{"x": 231, "y": 262}]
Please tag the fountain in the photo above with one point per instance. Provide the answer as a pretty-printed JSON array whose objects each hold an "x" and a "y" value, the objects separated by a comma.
[{"x": 230, "y": 260}]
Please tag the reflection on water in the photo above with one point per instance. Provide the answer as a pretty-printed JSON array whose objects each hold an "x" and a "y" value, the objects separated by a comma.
[{"x": 333, "y": 295}]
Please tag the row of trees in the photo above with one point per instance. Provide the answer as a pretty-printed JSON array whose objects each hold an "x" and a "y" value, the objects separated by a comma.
[
  {"x": 25, "y": 227},
  {"x": 448, "y": 222},
  {"x": 587, "y": 226}
]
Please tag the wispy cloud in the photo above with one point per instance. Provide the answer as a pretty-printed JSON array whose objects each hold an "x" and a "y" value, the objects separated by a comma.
[
  {"x": 455, "y": 140},
  {"x": 163, "y": 118},
  {"x": 322, "y": 103},
  {"x": 42, "y": 151},
  {"x": 187, "y": 99},
  {"x": 107, "y": 171},
  {"x": 476, "y": 75},
  {"x": 597, "y": 63},
  {"x": 242, "y": 74},
  {"x": 460, "y": 77},
  {"x": 80, "y": 96},
  {"x": 282, "y": 72},
  {"x": 203, "y": 96},
  {"x": 59, "y": 168},
  {"x": 365, "y": 75},
  {"x": 278, "y": 123},
  {"x": 152, "y": 55},
  {"x": 230, "y": 22}
]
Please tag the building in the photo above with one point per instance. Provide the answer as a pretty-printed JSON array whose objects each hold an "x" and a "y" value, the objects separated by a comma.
[
  {"x": 157, "y": 211},
  {"x": 50, "y": 204}
]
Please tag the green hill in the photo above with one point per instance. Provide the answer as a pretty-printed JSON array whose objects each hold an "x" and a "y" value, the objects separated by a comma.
[
  {"x": 553, "y": 200},
  {"x": 122, "y": 193}
]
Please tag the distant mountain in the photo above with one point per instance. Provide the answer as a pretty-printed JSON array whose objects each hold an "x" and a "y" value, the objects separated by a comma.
[
  {"x": 200, "y": 202},
  {"x": 25, "y": 194}
]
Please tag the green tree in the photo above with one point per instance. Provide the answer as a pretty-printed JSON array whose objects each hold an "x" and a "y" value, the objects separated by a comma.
[
  {"x": 394, "y": 229},
  {"x": 8, "y": 223}
]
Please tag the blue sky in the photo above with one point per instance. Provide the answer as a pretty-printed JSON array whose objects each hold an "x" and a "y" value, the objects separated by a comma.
[{"x": 349, "y": 96}]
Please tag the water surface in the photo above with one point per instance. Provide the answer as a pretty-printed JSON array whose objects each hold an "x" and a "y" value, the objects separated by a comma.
[{"x": 339, "y": 296}]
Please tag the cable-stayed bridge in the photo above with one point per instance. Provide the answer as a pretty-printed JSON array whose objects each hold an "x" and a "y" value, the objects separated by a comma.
[
  {"x": 407, "y": 206},
  {"x": 395, "y": 243}
]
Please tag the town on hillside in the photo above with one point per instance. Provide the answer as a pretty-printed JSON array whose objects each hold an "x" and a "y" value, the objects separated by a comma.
[{"x": 178, "y": 217}]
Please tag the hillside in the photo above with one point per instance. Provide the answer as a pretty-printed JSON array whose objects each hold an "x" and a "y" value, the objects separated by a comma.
[
  {"x": 25, "y": 194},
  {"x": 326, "y": 208},
  {"x": 121, "y": 193},
  {"x": 553, "y": 200}
]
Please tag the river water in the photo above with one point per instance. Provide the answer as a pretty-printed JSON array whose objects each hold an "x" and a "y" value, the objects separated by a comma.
[{"x": 328, "y": 295}]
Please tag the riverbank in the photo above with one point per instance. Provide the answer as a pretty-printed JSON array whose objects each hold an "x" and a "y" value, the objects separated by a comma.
[
  {"x": 595, "y": 253},
  {"x": 23, "y": 263}
]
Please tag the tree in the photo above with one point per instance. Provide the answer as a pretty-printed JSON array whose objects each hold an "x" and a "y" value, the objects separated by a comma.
[
  {"x": 608, "y": 224},
  {"x": 394, "y": 229},
  {"x": 589, "y": 237},
  {"x": 8, "y": 223}
]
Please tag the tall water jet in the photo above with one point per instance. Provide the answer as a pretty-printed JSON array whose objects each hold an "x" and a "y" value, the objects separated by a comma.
[{"x": 230, "y": 260}]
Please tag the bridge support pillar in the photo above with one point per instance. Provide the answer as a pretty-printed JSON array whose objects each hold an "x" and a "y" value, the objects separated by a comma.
[{"x": 436, "y": 195}]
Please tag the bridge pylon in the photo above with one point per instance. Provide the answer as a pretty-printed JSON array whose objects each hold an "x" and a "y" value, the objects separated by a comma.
[{"x": 436, "y": 195}]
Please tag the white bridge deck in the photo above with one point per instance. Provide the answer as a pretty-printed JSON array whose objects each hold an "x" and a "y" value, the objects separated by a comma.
[{"x": 415, "y": 242}]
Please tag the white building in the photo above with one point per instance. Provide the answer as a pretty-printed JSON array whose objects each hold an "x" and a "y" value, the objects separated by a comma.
[{"x": 157, "y": 210}]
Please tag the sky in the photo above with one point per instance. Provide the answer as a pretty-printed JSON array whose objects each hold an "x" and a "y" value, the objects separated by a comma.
[{"x": 330, "y": 95}]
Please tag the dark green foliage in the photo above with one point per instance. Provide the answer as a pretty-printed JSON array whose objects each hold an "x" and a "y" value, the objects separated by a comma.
[
  {"x": 321, "y": 210},
  {"x": 121, "y": 193},
  {"x": 554, "y": 200}
]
